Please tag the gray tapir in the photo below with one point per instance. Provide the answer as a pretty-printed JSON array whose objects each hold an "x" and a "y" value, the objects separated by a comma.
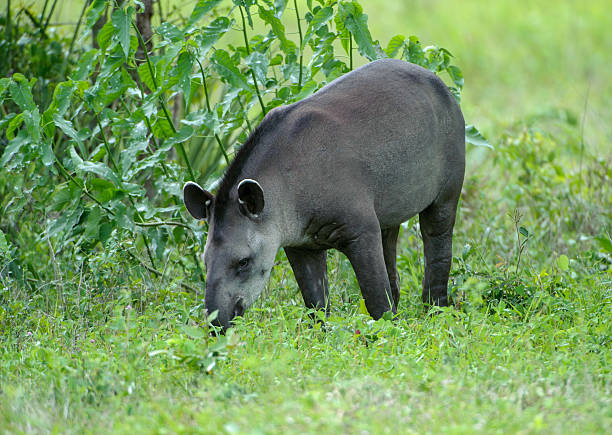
[{"x": 340, "y": 169}]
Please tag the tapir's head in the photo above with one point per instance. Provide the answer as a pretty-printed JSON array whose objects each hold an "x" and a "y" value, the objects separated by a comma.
[{"x": 240, "y": 247}]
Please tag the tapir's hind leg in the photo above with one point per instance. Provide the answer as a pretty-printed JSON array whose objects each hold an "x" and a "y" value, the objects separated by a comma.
[
  {"x": 310, "y": 270},
  {"x": 389, "y": 241},
  {"x": 436, "y": 223}
]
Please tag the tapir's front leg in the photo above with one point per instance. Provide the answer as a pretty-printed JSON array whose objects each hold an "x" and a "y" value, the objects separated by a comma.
[
  {"x": 365, "y": 252},
  {"x": 310, "y": 270}
]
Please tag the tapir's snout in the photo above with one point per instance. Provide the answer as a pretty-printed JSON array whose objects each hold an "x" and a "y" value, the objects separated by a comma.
[{"x": 226, "y": 309}]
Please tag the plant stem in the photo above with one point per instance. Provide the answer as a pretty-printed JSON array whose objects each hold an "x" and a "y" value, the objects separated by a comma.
[
  {"x": 76, "y": 33},
  {"x": 49, "y": 16},
  {"x": 246, "y": 117},
  {"x": 297, "y": 15},
  {"x": 44, "y": 9},
  {"x": 350, "y": 51},
  {"x": 8, "y": 37},
  {"x": 248, "y": 50},
  {"x": 218, "y": 139}
]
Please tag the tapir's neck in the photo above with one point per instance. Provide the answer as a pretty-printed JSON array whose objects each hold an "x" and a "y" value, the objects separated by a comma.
[{"x": 281, "y": 216}]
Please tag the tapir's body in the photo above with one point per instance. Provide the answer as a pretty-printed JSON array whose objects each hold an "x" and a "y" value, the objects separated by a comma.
[{"x": 340, "y": 169}]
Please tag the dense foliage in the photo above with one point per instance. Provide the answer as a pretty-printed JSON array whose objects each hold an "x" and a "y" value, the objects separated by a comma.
[{"x": 101, "y": 310}]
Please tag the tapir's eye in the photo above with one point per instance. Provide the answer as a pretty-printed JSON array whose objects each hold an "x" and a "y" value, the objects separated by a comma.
[{"x": 242, "y": 264}]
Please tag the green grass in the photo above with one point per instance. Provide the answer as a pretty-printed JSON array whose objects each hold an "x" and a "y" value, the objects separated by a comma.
[{"x": 527, "y": 348}]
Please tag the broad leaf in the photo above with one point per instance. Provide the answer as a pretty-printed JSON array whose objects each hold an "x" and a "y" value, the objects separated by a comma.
[
  {"x": 183, "y": 69},
  {"x": 321, "y": 18},
  {"x": 278, "y": 29},
  {"x": 357, "y": 23},
  {"x": 394, "y": 45},
  {"x": 201, "y": 8},
  {"x": 224, "y": 66},
  {"x": 95, "y": 168},
  {"x": 67, "y": 127},
  {"x": 212, "y": 33},
  {"x": 21, "y": 92},
  {"x": 258, "y": 62},
  {"x": 122, "y": 21},
  {"x": 473, "y": 136}
]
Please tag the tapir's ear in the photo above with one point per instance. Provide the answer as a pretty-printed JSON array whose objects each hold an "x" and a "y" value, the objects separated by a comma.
[
  {"x": 197, "y": 200},
  {"x": 250, "y": 197}
]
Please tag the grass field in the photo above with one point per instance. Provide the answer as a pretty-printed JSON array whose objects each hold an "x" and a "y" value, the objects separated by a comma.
[{"x": 527, "y": 348}]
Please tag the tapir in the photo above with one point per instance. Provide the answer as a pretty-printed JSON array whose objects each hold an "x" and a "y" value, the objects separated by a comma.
[{"x": 342, "y": 169}]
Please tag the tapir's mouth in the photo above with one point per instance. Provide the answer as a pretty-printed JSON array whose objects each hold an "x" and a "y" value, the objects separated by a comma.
[{"x": 238, "y": 308}]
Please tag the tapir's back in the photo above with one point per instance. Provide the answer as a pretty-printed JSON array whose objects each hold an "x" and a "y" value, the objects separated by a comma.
[{"x": 389, "y": 133}]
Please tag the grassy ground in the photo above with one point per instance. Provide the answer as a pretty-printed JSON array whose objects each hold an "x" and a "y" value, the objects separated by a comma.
[{"x": 527, "y": 349}]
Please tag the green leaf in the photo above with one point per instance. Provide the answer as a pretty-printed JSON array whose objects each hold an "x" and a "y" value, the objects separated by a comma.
[
  {"x": 170, "y": 32},
  {"x": 21, "y": 92},
  {"x": 4, "y": 84},
  {"x": 93, "y": 12},
  {"x": 212, "y": 33},
  {"x": 122, "y": 21},
  {"x": 524, "y": 231},
  {"x": 184, "y": 134},
  {"x": 102, "y": 189},
  {"x": 66, "y": 127},
  {"x": 605, "y": 243},
  {"x": 456, "y": 75},
  {"x": 183, "y": 69},
  {"x": 95, "y": 168},
  {"x": 259, "y": 63},
  {"x": 192, "y": 332},
  {"x": 31, "y": 119},
  {"x": 246, "y": 4},
  {"x": 321, "y": 18},
  {"x": 105, "y": 35},
  {"x": 105, "y": 231},
  {"x": 4, "y": 246},
  {"x": 362, "y": 307},
  {"x": 13, "y": 147},
  {"x": 224, "y": 66},
  {"x": 124, "y": 216},
  {"x": 201, "y": 8},
  {"x": 63, "y": 195},
  {"x": 395, "y": 44},
  {"x": 357, "y": 23},
  {"x": 473, "y": 136},
  {"x": 144, "y": 72},
  {"x": 201, "y": 118},
  {"x": 287, "y": 46},
  {"x": 87, "y": 63},
  {"x": 563, "y": 263},
  {"x": 162, "y": 128},
  {"x": 307, "y": 89},
  {"x": 4, "y": 122},
  {"x": 13, "y": 125},
  {"x": 92, "y": 223}
]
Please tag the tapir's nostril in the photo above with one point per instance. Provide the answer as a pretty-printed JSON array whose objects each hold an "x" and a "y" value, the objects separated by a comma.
[{"x": 238, "y": 308}]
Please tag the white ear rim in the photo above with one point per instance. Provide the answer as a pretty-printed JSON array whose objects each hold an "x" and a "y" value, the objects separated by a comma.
[{"x": 247, "y": 181}]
